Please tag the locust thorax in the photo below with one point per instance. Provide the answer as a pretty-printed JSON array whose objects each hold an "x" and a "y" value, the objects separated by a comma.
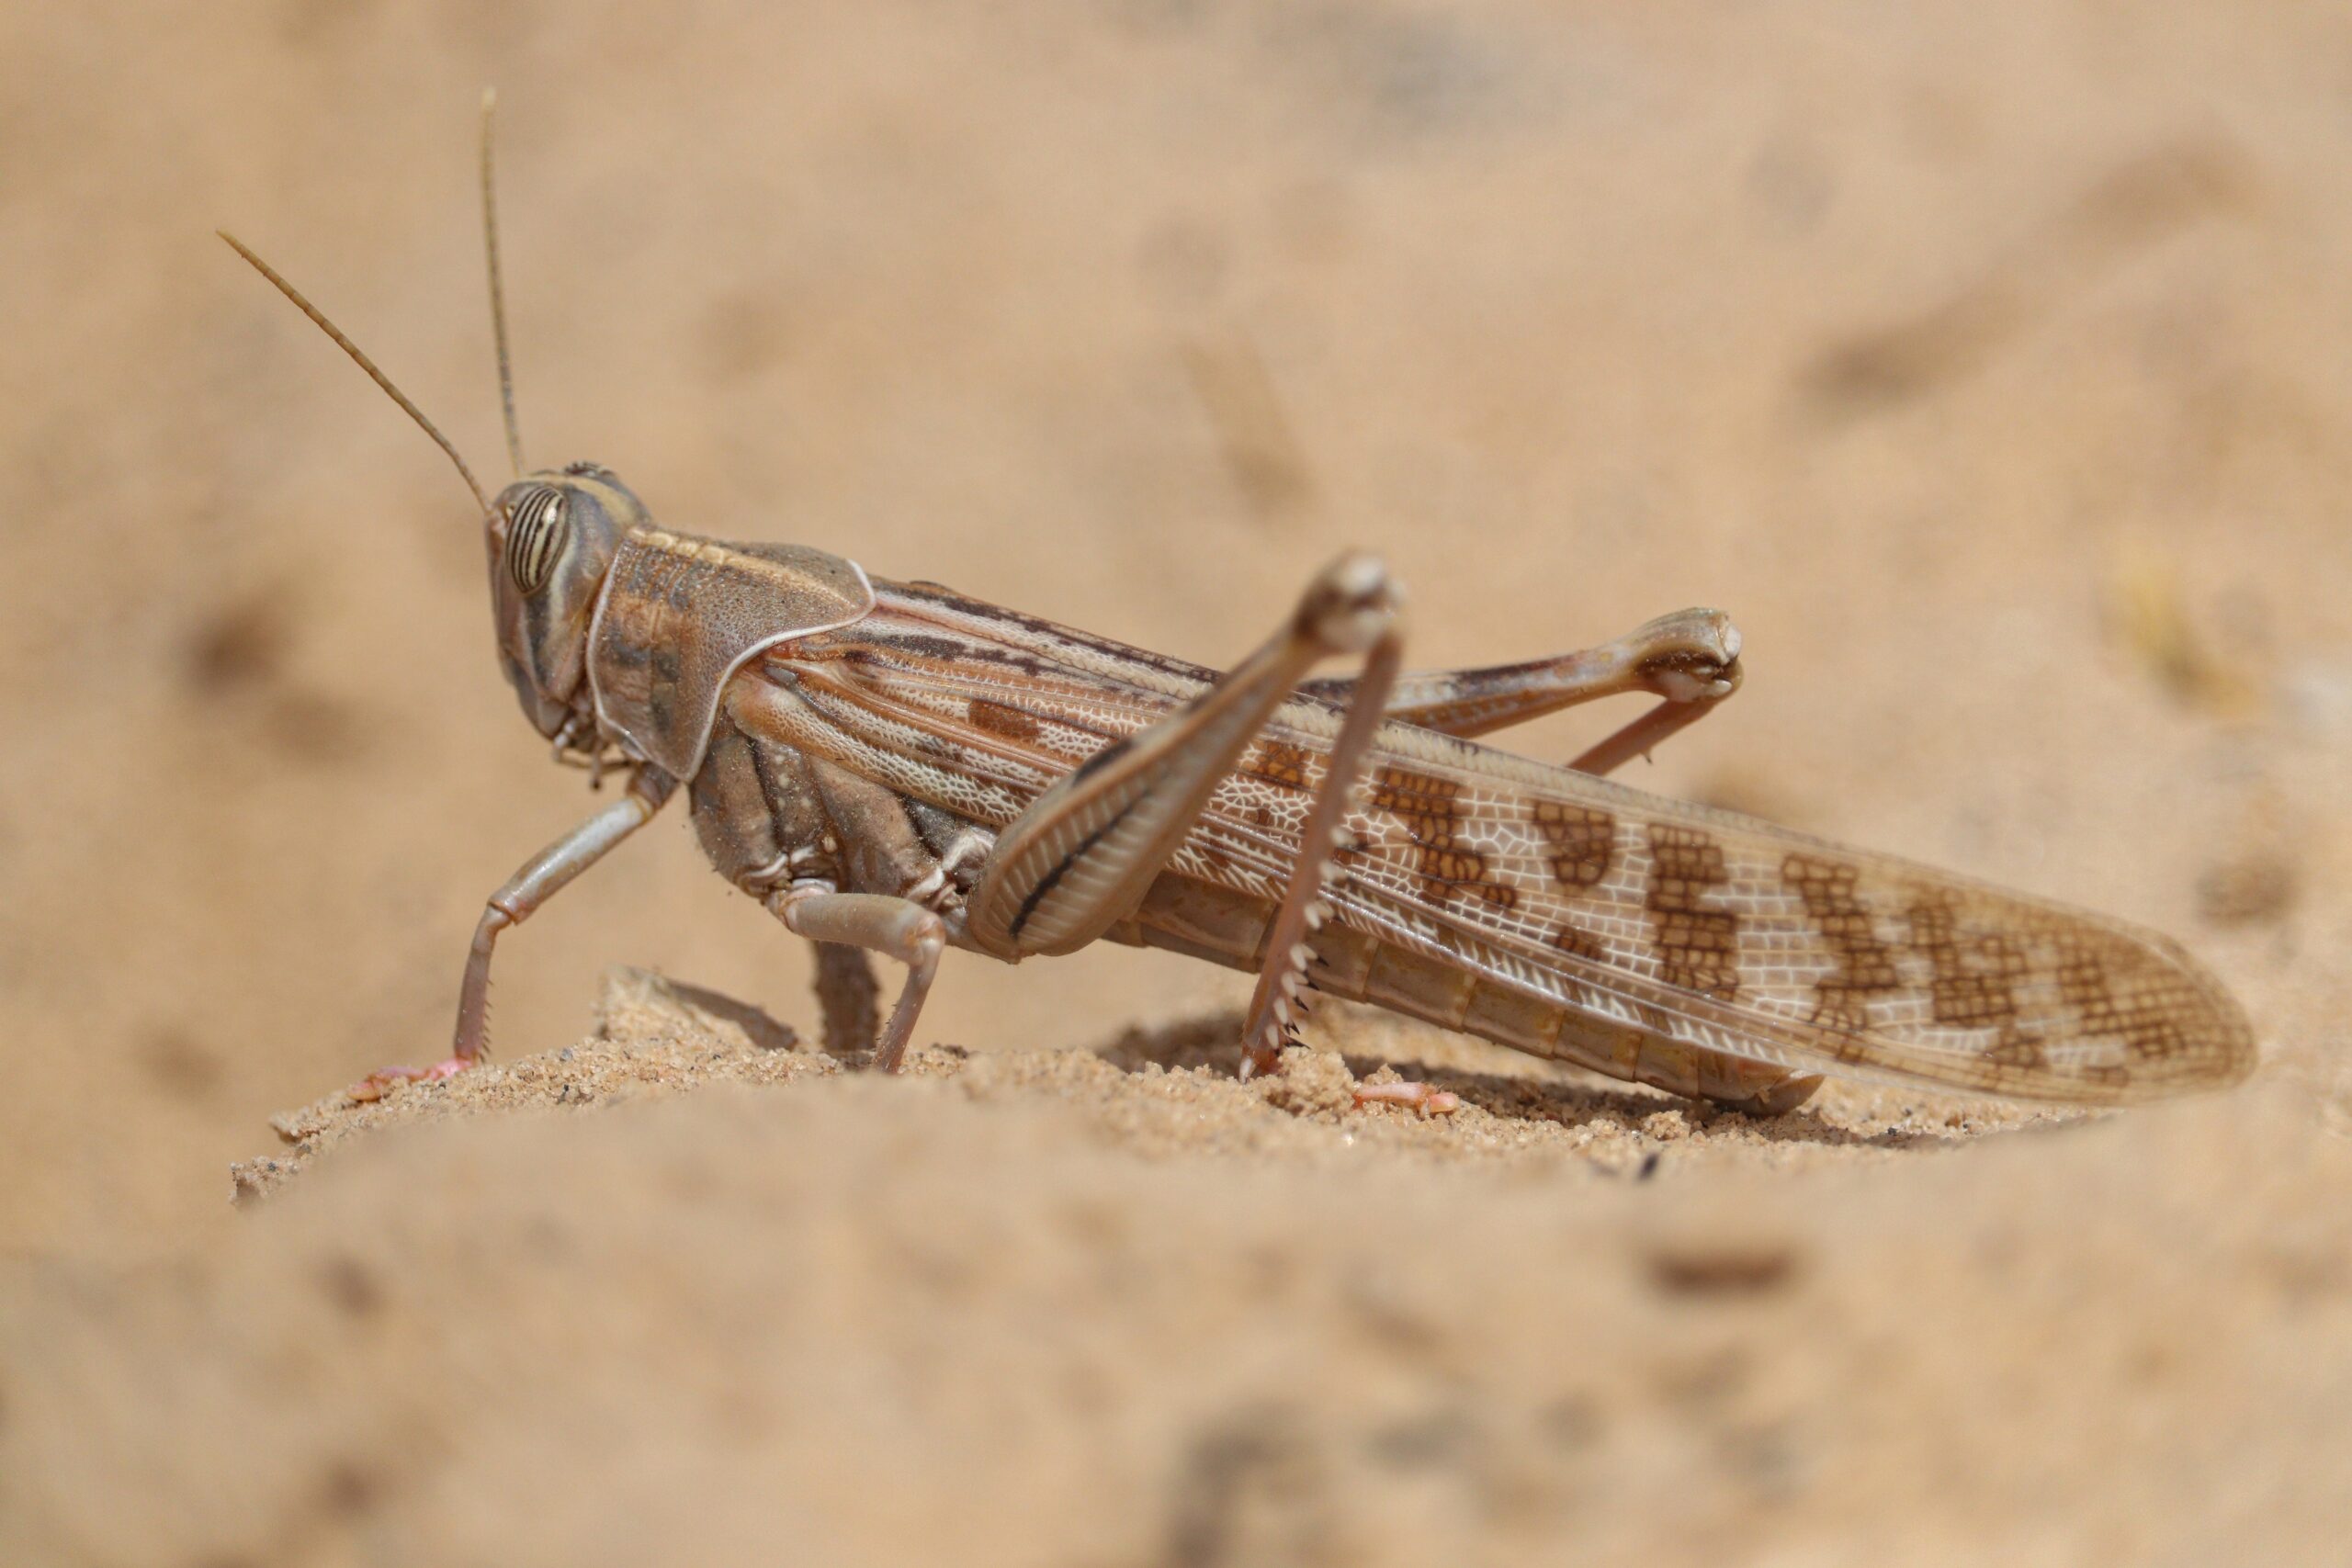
[{"x": 553, "y": 535}]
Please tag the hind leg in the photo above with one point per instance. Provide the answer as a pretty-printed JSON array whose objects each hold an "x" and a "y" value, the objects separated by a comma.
[
  {"x": 1086, "y": 851},
  {"x": 1688, "y": 661}
]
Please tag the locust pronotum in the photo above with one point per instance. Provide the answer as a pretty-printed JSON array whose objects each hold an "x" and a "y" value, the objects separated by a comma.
[{"x": 896, "y": 768}]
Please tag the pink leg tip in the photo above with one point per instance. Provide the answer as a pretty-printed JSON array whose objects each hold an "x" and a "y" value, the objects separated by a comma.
[
  {"x": 1418, "y": 1096},
  {"x": 379, "y": 1083}
]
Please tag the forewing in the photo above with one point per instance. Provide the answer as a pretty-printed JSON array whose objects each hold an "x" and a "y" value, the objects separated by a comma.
[
  {"x": 1730, "y": 933},
  {"x": 1700, "y": 925}
]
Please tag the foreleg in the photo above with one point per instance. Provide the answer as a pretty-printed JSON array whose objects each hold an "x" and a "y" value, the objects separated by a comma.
[{"x": 541, "y": 878}]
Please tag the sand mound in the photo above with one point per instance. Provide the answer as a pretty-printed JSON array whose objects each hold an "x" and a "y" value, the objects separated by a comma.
[{"x": 1089, "y": 1307}]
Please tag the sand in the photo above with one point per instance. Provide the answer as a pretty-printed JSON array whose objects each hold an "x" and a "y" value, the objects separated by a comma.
[
  {"x": 1989, "y": 363},
  {"x": 688, "y": 1290}
]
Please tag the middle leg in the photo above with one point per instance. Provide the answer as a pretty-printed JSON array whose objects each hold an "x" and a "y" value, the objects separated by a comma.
[
  {"x": 878, "y": 923},
  {"x": 848, "y": 998}
]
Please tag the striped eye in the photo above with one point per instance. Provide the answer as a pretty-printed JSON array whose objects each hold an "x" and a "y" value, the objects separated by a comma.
[{"x": 534, "y": 537}]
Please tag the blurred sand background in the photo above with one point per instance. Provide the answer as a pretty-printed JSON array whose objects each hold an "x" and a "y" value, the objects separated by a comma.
[{"x": 1991, "y": 363}]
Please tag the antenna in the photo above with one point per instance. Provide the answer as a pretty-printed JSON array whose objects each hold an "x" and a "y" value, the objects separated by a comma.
[
  {"x": 364, "y": 363},
  {"x": 497, "y": 289}
]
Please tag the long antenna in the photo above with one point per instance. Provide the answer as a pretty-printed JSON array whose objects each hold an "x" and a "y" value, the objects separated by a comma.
[
  {"x": 364, "y": 363},
  {"x": 497, "y": 289}
]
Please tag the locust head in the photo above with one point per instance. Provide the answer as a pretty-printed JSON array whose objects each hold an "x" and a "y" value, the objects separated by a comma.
[
  {"x": 552, "y": 534},
  {"x": 551, "y": 537}
]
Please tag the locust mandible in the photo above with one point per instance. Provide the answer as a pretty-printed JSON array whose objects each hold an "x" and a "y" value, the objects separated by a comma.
[{"x": 896, "y": 768}]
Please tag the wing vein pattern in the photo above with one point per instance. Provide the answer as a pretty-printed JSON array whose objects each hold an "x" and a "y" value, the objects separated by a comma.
[{"x": 1707, "y": 927}]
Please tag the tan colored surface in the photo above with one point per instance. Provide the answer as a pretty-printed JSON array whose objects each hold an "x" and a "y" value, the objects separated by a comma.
[
  {"x": 1029, "y": 1306},
  {"x": 1992, "y": 365}
]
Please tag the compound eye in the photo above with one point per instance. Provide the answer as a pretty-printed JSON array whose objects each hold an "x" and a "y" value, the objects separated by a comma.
[{"x": 534, "y": 537}]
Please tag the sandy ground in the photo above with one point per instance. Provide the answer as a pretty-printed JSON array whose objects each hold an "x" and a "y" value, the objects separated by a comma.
[{"x": 1993, "y": 364}]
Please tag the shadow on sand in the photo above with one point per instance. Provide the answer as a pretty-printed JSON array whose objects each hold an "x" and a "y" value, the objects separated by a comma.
[{"x": 1212, "y": 1041}]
